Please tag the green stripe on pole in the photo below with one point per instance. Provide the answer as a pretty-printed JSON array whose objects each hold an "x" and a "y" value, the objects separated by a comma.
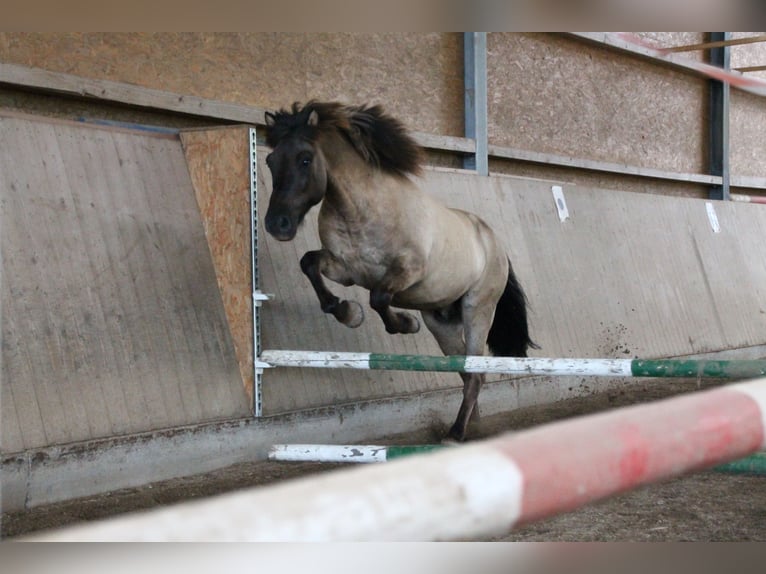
[
  {"x": 387, "y": 362},
  {"x": 698, "y": 368},
  {"x": 400, "y": 451},
  {"x": 753, "y": 464}
]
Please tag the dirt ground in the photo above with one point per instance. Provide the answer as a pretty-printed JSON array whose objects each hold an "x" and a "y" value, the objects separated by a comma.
[{"x": 709, "y": 506}]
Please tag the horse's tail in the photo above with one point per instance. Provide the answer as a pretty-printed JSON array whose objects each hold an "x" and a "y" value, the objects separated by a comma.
[{"x": 509, "y": 334}]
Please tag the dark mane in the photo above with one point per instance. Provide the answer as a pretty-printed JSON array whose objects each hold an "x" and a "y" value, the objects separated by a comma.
[{"x": 381, "y": 140}]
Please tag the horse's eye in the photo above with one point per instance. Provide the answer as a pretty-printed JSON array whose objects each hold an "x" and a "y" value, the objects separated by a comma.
[{"x": 306, "y": 161}]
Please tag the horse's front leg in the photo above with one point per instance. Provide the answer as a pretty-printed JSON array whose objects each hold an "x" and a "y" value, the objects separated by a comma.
[
  {"x": 314, "y": 264},
  {"x": 395, "y": 321}
]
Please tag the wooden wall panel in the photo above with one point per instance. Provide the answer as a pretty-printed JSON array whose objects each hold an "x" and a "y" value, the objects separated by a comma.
[
  {"x": 112, "y": 319},
  {"x": 629, "y": 275}
]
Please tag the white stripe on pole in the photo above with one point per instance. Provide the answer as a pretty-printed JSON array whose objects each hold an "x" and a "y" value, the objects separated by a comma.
[
  {"x": 327, "y": 453},
  {"x": 317, "y": 359},
  {"x": 472, "y": 491},
  {"x": 756, "y": 390},
  {"x": 595, "y": 367}
]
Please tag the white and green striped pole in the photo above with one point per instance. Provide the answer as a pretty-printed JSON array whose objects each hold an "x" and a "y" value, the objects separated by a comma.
[
  {"x": 363, "y": 453},
  {"x": 728, "y": 369},
  {"x": 368, "y": 453}
]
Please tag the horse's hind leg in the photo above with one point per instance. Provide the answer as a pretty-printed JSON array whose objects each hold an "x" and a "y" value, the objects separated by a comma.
[
  {"x": 476, "y": 313},
  {"x": 314, "y": 264},
  {"x": 447, "y": 329}
]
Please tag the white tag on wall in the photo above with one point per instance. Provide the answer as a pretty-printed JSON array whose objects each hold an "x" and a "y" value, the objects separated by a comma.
[
  {"x": 561, "y": 202},
  {"x": 712, "y": 217}
]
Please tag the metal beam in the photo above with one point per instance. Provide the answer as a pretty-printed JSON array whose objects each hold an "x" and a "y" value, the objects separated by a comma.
[
  {"x": 475, "y": 78},
  {"x": 720, "y": 56},
  {"x": 751, "y": 69},
  {"x": 717, "y": 43}
]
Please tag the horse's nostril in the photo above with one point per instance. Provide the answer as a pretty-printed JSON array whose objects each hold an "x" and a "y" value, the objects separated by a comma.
[{"x": 283, "y": 223}]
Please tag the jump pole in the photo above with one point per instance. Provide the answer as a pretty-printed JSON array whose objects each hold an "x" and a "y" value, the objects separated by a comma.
[
  {"x": 361, "y": 454},
  {"x": 476, "y": 490},
  {"x": 345, "y": 452},
  {"x": 684, "y": 368}
]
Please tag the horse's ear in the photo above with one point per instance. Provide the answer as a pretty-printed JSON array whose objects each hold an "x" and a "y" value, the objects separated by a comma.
[
  {"x": 270, "y": 119},
  {"x": 313, "y": 120}
]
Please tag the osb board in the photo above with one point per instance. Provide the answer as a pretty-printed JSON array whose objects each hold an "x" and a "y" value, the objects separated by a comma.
[
  {"x": 547, "y": 93},
  {"x": 218, "y": 162},
  {"x": 419, "y": 79},
  {"x": 557, "y": 95},
  {"x": 746, "y": 55},
  {"x": 747, "y": 125},
  {"x": 112, "y": 319}
]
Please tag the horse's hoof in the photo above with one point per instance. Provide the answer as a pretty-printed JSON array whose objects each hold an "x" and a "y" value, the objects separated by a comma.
[
  {"x": 408, "y": 324},
  {"x": 350, "y": 313},
  {"x": 455, "y": 436}
]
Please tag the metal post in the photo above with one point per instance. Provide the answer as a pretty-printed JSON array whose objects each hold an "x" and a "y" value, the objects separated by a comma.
[
  {"x": 257, "y": 296},
  {"x": 475, "y": 76},
  {"x": 719, "y": 118}
]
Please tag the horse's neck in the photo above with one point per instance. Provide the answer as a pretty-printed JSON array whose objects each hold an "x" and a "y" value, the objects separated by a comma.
[{"x": 355, "y": 189}]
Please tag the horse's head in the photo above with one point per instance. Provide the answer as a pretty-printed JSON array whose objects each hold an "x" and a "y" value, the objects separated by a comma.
[{"x": 298, "y": 170}]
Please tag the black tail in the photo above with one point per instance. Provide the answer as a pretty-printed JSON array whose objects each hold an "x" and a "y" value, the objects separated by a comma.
[{"x": 509, "y": 334}]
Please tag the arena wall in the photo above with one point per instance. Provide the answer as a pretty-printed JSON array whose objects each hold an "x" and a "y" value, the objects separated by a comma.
[{"x": 125, "y": 296}]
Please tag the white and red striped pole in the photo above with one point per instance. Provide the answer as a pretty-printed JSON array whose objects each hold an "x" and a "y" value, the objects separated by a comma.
[
  {"x": 748, "y": 198},
  {"x": 477, "y": 490}
]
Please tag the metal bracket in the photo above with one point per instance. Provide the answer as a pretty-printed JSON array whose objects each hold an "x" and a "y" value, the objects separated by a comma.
[{"x": 259, "y": 298}]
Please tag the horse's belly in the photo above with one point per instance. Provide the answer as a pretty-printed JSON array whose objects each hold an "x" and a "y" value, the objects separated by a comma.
[{"x": 428, "y": 294}]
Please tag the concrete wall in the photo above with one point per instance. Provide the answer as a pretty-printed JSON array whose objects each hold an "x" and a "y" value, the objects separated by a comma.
[
  {"x": 112, "y": 320},
  {"x": 628, "y": 275}
]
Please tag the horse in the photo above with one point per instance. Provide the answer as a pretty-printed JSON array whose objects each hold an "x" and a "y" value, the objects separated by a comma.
[{"x": 381, "y": 231}]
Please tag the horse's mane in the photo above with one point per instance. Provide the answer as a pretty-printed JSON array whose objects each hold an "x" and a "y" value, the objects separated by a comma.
[{"x": 381, "y": 140}]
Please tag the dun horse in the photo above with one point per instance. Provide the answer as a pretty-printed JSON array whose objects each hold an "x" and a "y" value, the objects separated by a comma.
[{"x": 380, "y": 231}]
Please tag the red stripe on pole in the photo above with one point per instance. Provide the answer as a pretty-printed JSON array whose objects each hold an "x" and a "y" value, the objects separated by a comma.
[{"x": 570, "y": 463}]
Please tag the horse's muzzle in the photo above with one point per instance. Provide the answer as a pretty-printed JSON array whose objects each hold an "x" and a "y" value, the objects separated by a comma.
[{"x": 281, "y": 227}]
